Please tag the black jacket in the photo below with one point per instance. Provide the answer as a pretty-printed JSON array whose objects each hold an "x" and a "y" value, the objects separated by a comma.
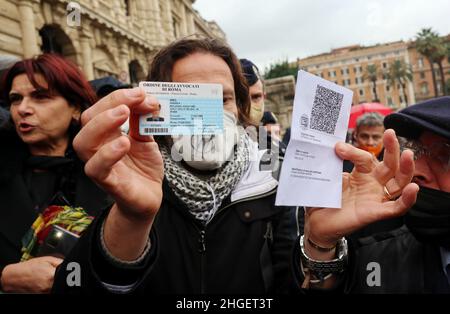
[
  {"x": 245, "y": 248},
  {"x": 17, "y": 210},
  {"x": 406, "y": 265}
]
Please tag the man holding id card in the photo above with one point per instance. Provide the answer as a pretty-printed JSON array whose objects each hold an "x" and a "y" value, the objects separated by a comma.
[{"x": 194, "y": 213}]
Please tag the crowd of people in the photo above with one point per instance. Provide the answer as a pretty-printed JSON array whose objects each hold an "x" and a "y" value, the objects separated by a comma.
[{"x": 150, "y": 219}]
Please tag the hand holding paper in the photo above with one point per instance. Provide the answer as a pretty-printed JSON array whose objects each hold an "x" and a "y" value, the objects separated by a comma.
[
  {"x": 363, "y": 198},
  {"x": 312, "y": 170}
]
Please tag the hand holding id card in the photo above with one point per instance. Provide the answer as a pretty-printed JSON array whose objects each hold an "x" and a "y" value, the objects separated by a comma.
[{"x": 183, "y": 108}]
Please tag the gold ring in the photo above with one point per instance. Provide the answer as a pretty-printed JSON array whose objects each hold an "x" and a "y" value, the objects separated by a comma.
[{"x": 387, "y": 195}]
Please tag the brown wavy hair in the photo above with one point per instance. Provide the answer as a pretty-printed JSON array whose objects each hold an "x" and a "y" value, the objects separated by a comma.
[{"x": 163, "y": 62}]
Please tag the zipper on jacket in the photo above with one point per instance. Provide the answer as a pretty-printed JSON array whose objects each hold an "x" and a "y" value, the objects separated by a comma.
[
  {"x": 202, "y": 237},
  {"x": 202, "y": 251}
]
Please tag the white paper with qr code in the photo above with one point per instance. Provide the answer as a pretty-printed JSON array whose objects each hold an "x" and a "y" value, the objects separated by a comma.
[
  {"x": 183, "y": 108},
  {"x": 311, "y": 174}
]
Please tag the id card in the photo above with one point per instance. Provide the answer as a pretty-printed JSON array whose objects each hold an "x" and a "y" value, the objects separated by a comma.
[{"x": 184, "y": 108}]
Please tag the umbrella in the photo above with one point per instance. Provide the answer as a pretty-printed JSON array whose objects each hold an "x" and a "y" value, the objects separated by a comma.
[{"x": 358, "y": 110}]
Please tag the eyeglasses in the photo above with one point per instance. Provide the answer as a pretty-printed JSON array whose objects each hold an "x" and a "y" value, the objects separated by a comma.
[{"x": 437, "y": 152}]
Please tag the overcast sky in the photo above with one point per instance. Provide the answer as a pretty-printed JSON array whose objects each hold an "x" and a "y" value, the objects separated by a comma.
[{"x": 273, "y": 30}]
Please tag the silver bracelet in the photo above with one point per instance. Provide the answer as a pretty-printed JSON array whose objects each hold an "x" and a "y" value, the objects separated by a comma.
[
  {"x": 322, "y": 269},
  {"x": 116, "y": 260}
]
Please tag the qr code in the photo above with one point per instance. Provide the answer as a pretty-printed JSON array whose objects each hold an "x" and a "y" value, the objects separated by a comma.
[{"x": 325, "y": 111}]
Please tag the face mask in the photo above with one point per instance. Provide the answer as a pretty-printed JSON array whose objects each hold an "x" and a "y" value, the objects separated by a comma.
[
  {"x": 429, "y": 218},
  {"x": 208, "y": 152},
  {"x": 374, "y": 150},
  {"x": 256, "y": 114}
]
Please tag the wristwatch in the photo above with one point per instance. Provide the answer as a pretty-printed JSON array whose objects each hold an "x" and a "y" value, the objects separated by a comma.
[{"x": 322, "y": 269}]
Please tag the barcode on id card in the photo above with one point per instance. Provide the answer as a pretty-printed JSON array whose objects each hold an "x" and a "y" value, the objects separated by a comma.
[
  {"x": 325, "y": 110},
  {"x": 156, "y": 130}
]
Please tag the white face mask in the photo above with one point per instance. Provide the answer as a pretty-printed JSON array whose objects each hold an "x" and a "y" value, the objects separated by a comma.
[{"x": 208, "y": 152}]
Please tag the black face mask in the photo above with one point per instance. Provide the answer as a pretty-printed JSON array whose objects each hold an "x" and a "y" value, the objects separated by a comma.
[{"x": 429, "y": 218}]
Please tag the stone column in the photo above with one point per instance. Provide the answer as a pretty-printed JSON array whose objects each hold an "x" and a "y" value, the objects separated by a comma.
[
  {"x": 29, "y": 34},
  {"x": 168, "y": 21},
  {"x": 183, "y": 24},
  {"x": 158, "y": 28},
  {"x": 86, "y": 52},
  {"x": 190, "y": 23},
  {"x": 124, "y": 74}
]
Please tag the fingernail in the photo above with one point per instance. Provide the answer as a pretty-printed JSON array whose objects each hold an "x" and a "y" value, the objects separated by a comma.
[
  {"x": 134, "y": 92},
  {"x": 118, "y": 111}
]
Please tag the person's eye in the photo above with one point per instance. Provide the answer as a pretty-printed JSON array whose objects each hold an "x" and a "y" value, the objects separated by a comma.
[
  {"x": 256, "y": 97},
  {"x": 41, "y": 96},
  {"x": 14, "y": 100}
]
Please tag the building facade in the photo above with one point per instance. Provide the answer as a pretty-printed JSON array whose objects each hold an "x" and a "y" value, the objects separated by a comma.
[
  {"x": 104, "y": 37},
  {"x": 347, "y": 67}
]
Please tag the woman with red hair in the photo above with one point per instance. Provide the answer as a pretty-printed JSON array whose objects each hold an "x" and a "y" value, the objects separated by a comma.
[{"x": 38, "y": 167}]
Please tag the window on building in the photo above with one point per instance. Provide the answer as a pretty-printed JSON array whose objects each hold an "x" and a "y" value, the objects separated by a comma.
[
  {"x": 420, "y": 62},
  {"x": 424, "y": 88},
  {"x": 401, "y": 99},
  {"x": 361, "y": 92},
  {"x": 176, "y": 27},
  {"x": 384, "y": 65},
  {"x": 55, "y": 40},
  {"x": 390, "y": 102},
  {"x": 438, "y": 73},
  {"x": 127, "y": 7},
  {"x": 388, "y": 88},
  {"x": 439, "y": 87},
  {"x": 422, "y": 75}
]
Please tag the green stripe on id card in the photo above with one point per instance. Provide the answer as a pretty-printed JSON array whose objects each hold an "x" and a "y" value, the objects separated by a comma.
[{"x": 184, "y": 108}]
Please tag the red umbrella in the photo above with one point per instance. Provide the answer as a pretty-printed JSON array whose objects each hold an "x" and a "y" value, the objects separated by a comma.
[{"x": 359, "y": 110}]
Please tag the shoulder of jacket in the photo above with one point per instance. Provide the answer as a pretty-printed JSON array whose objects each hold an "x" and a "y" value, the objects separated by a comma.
[{"x": 401, "y": 234}]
